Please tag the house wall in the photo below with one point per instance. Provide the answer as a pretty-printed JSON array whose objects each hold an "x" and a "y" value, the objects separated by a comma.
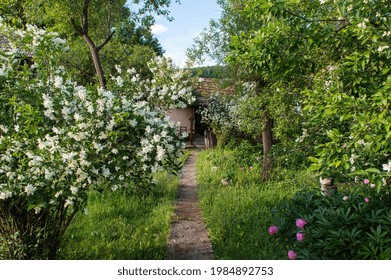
[{"x": 182, "y": 116}]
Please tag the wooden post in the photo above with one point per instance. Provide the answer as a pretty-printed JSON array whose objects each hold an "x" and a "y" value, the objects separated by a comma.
[{"x": 192, "y": 118}]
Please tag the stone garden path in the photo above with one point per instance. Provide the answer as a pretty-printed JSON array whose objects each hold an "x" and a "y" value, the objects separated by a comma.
[{"x": 189, "y": 239}]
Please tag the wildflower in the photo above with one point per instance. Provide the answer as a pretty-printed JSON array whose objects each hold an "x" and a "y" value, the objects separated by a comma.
[
  {"x": 366, "y": 181},
  {"x": 345, "y": 198},
  {"x": 292, "y": 255},
  {"x": 300, "y": 236},
  {"x": 273, "y": 230},
  {"x": 300, "y": 223},
  {"x": 373, "y": 186},
  {"x": 366, "y": 200}
]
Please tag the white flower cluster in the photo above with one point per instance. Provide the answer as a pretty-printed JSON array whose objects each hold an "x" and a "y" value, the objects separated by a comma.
[
  {"x": 58, "y": 139},
  {"x": 218, "y": 113},
  {"x": 169, "y": 88}
]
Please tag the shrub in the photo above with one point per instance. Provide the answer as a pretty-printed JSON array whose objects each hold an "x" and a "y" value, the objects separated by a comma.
[
  {"x": 59, "y": 139},
  {"x": 352, "y": 224}
]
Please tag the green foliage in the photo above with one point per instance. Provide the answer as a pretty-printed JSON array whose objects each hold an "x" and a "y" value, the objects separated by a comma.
[
  {"x": 132, "y": 45},
  {"x": 238, "y": 213},
  {"x": 352, "y": 224},
  {"x": 316, "y": 66}
]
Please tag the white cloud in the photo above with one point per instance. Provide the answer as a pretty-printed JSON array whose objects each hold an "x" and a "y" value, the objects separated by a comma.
[{"x": 158, "y": 29}]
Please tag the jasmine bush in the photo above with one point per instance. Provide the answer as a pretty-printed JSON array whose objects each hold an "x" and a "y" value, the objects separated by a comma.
[{"x": 59, "y": 139}]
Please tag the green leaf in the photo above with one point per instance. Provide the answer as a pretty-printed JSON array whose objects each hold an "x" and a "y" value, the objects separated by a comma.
[
  {"x": 373, "y": 170},
  {"x": 313, "y": 159},
  {"x": 379, "y": 184}
]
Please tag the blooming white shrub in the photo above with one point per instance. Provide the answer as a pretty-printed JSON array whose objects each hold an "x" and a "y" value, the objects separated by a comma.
[
  {"x": 59, "y": 139},
  {"x": 169, "y": 88}
]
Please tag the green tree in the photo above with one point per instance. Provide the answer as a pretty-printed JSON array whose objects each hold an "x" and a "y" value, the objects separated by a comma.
[
  {"x": 248, "y": 37},
  {"x": 323, "y": 62},
  {"x": 97, "y": 23}
]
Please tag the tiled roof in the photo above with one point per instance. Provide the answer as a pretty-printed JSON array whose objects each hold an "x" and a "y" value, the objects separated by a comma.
[{"x": 207, "y": 86}]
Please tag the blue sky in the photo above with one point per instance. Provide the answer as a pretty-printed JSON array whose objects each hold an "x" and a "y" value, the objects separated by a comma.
[{"x": 190, "y": 18}]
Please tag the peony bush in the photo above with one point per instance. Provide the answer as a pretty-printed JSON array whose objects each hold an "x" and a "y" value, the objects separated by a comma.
[
  {"x": 59, "y": 139},
  {"x": 352, "y": 224}
]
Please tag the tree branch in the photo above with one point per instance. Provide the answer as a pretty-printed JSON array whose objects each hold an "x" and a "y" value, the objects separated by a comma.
[
  {"x": 105, "y": 41},
  {"x": 85, "y": 16},
  {"x": 77, "y": 28}
]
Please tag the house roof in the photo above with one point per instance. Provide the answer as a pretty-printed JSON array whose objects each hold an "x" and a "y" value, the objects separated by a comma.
[{"x": 205, "y": 87}]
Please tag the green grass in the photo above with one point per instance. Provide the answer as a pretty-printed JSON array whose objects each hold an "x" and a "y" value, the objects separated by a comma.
[
  {"x": 116, "y": 225},
  {"x": 238, "y": 215},
  {"x": 124, "y": 226}
]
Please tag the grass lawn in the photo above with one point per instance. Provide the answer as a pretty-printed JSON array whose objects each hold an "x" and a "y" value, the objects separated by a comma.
[
  {"x": 120, "y": 226},
  {"x": 239, "y": 214}
]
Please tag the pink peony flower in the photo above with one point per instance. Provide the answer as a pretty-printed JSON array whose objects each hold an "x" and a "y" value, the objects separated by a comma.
[
  {"x": 273, "y": 230},
  {"x": 292, "y": 255},
  {"x": 300, "y": 236},
  {"x": 367, "y": 200},
  {"x": 366, "y": 181},
  {"x": 345, "y": 198},
  {"x": 300, "y": 223}
]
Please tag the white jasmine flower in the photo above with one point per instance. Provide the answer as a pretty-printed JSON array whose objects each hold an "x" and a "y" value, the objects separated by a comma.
[
  {"x": 78, "y": 117},
  {"x": 74, "y": 190},
  {"x": 156, "y": 138},
  {"x": 105, "y": 172},
  {"x": 5, "y": 195},
  {"x": 58, "y": 81},
  {"x": 37, "y": 209},
  {"x": 133, "y": 123},
  {"x": 68, "y": 202},
  {"x": 387, "y": 167},
  {"x": 148, "y": 129},
  {"x": 102, "y": 135},
  {"x": 382, "y": 48},
  {"x": 58, "y": 41},
  {"x": 362, "y": 25},
  {"x": 30, "y": 189},
  {"x": 118, "y": 68},
  {"x": 81, "y": 93},
  {"x": 160, "y": 153},
  {"x": 98, "y": 147}
]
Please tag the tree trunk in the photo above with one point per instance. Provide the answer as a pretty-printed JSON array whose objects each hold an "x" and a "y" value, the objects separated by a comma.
[
  {"x": 267, "y": 141},
  {"x": 95, "y": 58}
]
